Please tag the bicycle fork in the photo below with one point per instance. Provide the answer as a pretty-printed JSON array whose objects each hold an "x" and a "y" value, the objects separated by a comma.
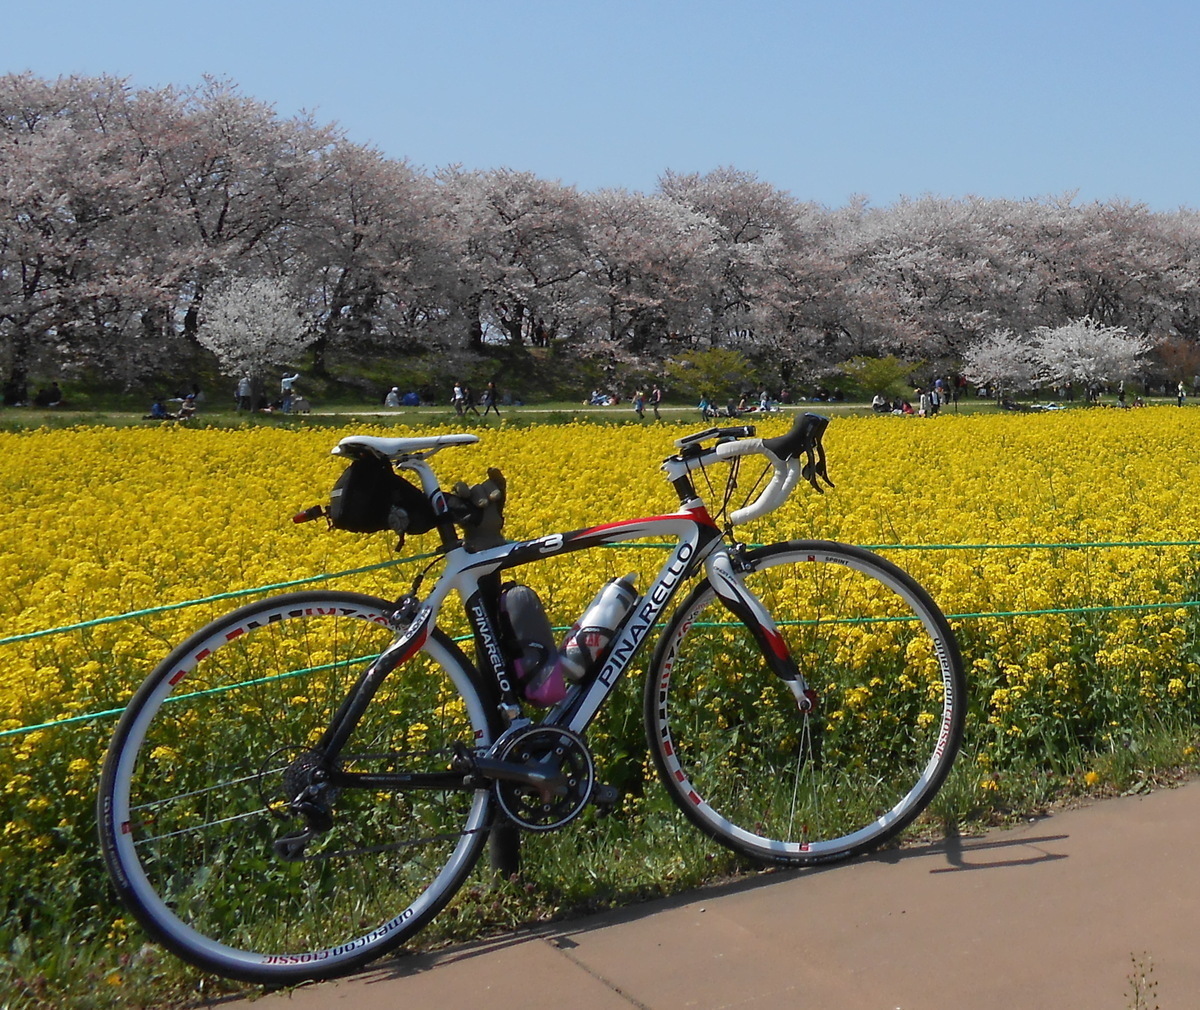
[{"x": 724, "y": 569}]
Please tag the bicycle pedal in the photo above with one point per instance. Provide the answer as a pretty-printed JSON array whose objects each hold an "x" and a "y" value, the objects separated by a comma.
[{"x": 605, "y": 798}]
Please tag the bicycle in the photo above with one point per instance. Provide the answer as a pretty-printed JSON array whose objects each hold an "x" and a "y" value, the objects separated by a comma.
[{"x": 305, "y": 783}]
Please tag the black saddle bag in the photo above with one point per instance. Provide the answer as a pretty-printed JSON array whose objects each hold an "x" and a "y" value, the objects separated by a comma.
[{"x": 364, "y": 497}]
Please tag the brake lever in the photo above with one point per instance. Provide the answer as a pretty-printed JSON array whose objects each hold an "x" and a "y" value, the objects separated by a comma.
[{"x": 815, "y": 468}]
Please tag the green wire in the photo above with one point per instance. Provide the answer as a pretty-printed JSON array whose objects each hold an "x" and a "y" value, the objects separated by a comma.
[{"x": 109, "y": 713}]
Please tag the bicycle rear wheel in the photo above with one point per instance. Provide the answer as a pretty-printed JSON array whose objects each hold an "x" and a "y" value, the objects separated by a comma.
[
  {"x": 195, "y": 788},
  {"x": 761, "y": 777}
]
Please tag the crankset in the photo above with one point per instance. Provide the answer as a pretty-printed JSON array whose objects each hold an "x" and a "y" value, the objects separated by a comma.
[{"x": 544, "y": 777}]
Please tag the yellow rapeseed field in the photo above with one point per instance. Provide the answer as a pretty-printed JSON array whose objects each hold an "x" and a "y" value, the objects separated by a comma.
[{"x": 102, "y": 522}]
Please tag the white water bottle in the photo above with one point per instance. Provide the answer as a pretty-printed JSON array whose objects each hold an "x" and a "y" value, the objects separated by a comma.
[{"x": 594, "y": 630}]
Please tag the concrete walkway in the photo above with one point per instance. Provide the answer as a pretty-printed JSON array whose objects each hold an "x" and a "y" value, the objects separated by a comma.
[{"x": 1047, "y": 914}]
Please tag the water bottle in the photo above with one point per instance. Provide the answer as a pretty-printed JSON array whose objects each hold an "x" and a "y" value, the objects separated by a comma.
[
  {"x": 536, "y": 665},
  {"x": 590, "y": 636}
]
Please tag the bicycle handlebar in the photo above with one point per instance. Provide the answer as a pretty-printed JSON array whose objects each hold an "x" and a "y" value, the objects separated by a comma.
[{"x": 783, "y": 453}]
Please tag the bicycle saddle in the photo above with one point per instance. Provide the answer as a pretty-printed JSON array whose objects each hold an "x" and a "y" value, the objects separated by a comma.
[{"x": 393, "y": 448}]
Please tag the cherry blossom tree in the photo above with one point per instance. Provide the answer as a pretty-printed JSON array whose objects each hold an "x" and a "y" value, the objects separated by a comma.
[
  {"x": 238, "y": 178},
  {"x": 1002, "y": 362},
  {"x": 646, "y": 260},
  {"x": 376, "y": 268},
  {"x": 745, "y": 212},
  {"x": 519, "y": 242},
  {"x": 121, "y": 208},
  {"x": 252, "y": 325},
  {"x": 74, "y": 207},
  {"x": 796, "y": 313},
  {"x": 1087, "y": 352}
]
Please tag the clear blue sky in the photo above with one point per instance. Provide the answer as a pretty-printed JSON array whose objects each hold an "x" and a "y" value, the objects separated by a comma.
[{"x": 997, "y": 98}]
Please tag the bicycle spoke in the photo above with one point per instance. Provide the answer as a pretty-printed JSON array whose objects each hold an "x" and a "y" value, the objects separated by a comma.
[
  {"x": 757, "y": 774},
  {"x": 218, "y": 858}
]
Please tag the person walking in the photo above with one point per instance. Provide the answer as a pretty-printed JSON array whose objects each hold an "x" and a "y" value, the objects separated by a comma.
[
  {"x": 1179, "y": 393},
  {"x": 656, "y": 396},
  {"x": 490, "y": 400},
  {"x": 457, "y": 398},
  {"x": 469, "y": 400},
  {"x": 639, "y": 404},
  {"x": 244, "y": 391}
]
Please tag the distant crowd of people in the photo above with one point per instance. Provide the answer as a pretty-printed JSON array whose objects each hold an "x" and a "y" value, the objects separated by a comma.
[
  {"x": 16, "y": 394},
  {"x": 925, "y": 401}
]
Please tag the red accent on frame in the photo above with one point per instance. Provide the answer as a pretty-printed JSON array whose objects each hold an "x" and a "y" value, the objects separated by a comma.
[
  {"x": 700, "y": 513},
  {"x": 695, "y": 798},
  {"x": 177, "y": 678},
  {"x": 414, "y": 646},
  {"x": 778, "y": 645},
  {"x": 635, "y": 522},
  {"x": 231, "y": 635}
]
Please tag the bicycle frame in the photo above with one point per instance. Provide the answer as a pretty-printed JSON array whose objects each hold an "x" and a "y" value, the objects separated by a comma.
[{"x": 474, "y": 576}]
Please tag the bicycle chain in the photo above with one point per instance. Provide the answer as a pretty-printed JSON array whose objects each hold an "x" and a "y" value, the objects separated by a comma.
[{"x": 364, "y": 849}]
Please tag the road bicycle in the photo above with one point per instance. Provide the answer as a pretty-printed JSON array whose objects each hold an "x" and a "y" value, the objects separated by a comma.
[{"x": 306, "y": 782}]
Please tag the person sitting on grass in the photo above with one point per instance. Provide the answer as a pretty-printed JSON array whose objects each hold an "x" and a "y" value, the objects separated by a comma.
[{"x": 158, "y": 412}]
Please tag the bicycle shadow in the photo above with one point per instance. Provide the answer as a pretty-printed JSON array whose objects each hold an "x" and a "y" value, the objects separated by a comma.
[
  {"x": 959, "y": 854},
  {"x": 957, "y": 851}
]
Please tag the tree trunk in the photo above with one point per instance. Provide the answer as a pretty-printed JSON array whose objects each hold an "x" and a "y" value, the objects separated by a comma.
[
  {"x": 474, "y": 323},
  {"x": 514, "y": 326},
  {"x": 16, "y": 387},
  {"x": 191, "y": 318},
  {"x": 318, "y": 347}
]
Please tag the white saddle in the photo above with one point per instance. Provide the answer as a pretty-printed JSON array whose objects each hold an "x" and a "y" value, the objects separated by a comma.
[{"x": 398, "y": 448}]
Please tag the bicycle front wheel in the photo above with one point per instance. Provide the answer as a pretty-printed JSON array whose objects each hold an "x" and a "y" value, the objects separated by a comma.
[
  {"x": 194, "y": 797},
  {"x": 757, "y": 774}
]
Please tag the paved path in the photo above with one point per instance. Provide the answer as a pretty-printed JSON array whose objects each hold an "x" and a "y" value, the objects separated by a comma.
[{"x": 1046, "y": 914}]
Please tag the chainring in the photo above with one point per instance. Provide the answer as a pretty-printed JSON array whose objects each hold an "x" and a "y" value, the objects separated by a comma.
[{"x": 549, "y": 806}]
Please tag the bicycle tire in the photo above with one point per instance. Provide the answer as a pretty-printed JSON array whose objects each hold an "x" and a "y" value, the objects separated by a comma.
[
  {"x": 192, "y": 794},
  {"x": 754, "y": 773}
]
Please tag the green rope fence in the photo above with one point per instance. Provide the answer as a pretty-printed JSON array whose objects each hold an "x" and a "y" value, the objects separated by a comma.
[
  {"x": 236, "y": 594},
  {"x": 330, "y": 576}
]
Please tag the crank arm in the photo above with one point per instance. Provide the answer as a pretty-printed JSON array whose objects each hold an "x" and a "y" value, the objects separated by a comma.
[{"x": 510, "y": 771}]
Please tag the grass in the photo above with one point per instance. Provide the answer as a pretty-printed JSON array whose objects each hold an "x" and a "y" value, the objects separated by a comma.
[
  {"x": 125, "y": 412},
  {"x": 642, "y": 852}
]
